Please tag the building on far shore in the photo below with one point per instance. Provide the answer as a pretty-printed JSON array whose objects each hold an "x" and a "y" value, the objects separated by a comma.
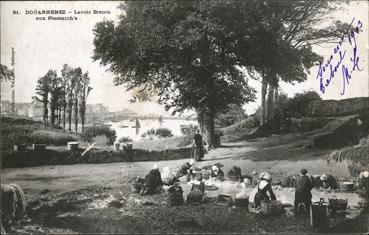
[
  {"x": 35, "y": 110},
  {"x": 21, "y": 109},
  {"x": 6, "y": 107},
  {"x": 96, "y": 109}
]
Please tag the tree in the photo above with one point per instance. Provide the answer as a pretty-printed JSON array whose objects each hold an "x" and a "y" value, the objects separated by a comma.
[
  {"x": 70, "y": 81},
  {"x": 43, "y": 90},
  {"x": 280, "y": 45},
  {"x": 67, "y": 92},
  {"x": 77, "y": 77},
  {"x": 84, "y": 92},
  {"x": 6, "y": 74},
  {"x": 233, "y": 114},
  {"x": 56, "y": 92},
  {"x": 298, "y": 105},
  {"x": 178, "y": 50}
]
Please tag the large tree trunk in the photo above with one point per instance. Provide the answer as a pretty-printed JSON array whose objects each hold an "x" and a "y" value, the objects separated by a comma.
[
  {"x": 83, "y": 124},
  {"x": 76, "y": 115},
  {"x": 276, "y": 96},
  {"x": 264, "y": 86},
  {"x": 210, "y": 129},
  {"x": 59, "y": 115},
  {"x": 46, "y": 113},
  {"x": 52, "y": 115},
  {"x": 201, "y": 121},
  {"x": 270, "y": 106}
]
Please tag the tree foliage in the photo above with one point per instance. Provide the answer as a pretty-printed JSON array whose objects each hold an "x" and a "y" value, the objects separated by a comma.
[
  {"x": 190, "y": 53},
  {"x": 179, "y": 51},
  {"x": 6, "y": 74},
  {"x": 65, "y": 94},
  {"x": 43, "y": 91}
]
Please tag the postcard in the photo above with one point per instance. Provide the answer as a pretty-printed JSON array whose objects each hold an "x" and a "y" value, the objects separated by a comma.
[{"x": 182, "y": 117}]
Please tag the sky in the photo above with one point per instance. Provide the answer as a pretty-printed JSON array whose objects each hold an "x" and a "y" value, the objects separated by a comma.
[{"x": 43, "y": 45}]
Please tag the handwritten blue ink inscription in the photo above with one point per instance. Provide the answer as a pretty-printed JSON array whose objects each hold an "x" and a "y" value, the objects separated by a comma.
[{"x": 338, "y": 62}]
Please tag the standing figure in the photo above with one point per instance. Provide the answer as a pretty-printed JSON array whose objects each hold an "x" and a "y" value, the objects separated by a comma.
[
  {"x": 197, "y": 147},
  {"x": 264, "y": 186},
  {"x": 303, "y": 191},
  {"x": 364, "y": 182}
]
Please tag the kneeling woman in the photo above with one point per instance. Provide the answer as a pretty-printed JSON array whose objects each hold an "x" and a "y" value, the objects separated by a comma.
[
  {"x": 197, "y": 193},
  {"x": 264, "y": 186}
]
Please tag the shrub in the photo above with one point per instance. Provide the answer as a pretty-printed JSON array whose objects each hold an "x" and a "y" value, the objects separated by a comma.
[
  {"x": 52, "y": 137},
  {"x": 298, "y": 105},
  {"x": 160, "y": 133},
  {"x": 125, "y": 139},
  {"x": 149, "y": 134},
  {"x": 163, "y": 132},
  {"x": 233, "y": 114},
  {"x": 101, "y": 140},
  {"x": 93, "y": 131}
]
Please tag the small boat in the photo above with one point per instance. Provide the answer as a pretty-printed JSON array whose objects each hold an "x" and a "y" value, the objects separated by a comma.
[{"x": 123, "y": 126}]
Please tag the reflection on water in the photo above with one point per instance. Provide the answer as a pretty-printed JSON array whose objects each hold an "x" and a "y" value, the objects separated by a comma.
[{"x": 128, "y": 128}]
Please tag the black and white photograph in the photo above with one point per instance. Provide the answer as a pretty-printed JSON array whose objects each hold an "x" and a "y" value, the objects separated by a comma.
[{"x": 184, "y": 117}]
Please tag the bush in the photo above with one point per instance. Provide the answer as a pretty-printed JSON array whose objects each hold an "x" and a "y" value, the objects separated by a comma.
[
  {"x": 163, "y": 132},
  {"x": 298, "y": 105},
  {"x": 233, "y": 114},
  {"x": 101, "y": 140},
  {"x": 149, "y": 134},
  {"x": 125, "y": 139},
  {"x": 93, "y": 131},
  {"x": 160, "y": 133},
  {"x": 52, "y": 137}
]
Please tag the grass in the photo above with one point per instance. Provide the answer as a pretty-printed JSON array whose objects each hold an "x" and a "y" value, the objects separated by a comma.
[
  {"x": 93, "y": 131},
  {"x": 23, "y": 131},
  {"x": 124, "y": 139},
  {"x": 163, "y": 144}
]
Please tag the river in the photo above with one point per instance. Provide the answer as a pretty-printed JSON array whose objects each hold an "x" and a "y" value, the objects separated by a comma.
[{"x": 127, "y": 127}]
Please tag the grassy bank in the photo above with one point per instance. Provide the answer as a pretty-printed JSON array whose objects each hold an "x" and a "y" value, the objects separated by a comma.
[
  {"x": 28, "y": 132},
  {"x": 29, "y": 158}
]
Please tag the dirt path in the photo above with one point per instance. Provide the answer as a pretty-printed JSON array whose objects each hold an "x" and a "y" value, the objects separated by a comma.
[{"x": 59, "y": 196}]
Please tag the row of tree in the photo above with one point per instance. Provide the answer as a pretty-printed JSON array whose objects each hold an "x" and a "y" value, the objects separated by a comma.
[
  {"x": 64, "y": 96},
  {"x": 199, "y": 54}
]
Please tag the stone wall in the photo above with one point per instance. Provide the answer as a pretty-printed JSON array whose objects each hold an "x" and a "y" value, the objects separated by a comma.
[
  {"x": 12, "y": 159},
  {"x": 332, "y": 108}
]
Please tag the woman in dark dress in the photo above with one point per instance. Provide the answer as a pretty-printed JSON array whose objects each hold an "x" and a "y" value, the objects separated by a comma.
[
  {"x": 198, "y": 148},
  {"x": 197, "y": 190}
]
